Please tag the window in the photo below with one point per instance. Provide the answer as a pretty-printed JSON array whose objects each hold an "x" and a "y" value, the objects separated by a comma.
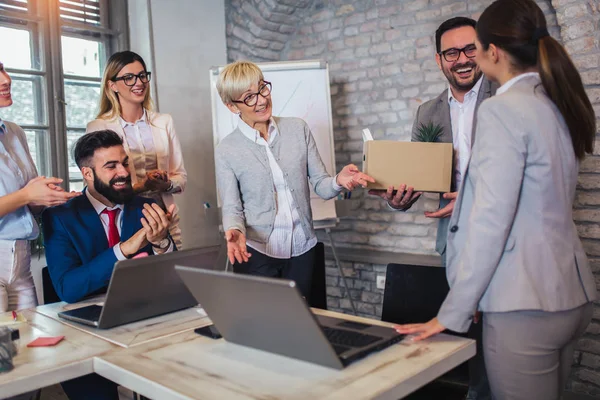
[{"x": 55, "y": 52}]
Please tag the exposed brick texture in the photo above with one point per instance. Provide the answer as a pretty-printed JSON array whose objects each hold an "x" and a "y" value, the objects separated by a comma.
[{"x": 381, "y": 60}]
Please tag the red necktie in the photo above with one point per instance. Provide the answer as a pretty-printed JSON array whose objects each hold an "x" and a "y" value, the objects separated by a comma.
[{"x": 113, "y": 232}]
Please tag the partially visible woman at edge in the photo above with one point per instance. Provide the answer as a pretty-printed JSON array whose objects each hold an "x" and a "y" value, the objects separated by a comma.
[
  {"x": 513, "y": 250},
  {"x": 22, "y": 194},
  {"x": 263, "y": 169},
  {"x": 149, "y": 137}
]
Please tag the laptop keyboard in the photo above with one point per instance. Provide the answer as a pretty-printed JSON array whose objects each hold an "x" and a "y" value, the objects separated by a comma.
[
  {"x": 340, "y": 349},
  {"x": 343, "y": 337}
]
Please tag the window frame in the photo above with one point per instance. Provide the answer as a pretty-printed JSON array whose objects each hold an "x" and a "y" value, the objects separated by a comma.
[{"x": 43, "y": 19}]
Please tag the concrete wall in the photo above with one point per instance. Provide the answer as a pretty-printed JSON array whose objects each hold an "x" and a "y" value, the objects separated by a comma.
[
  {"x": 381, "y": 59},
  {"x": 181, "y": 44}
]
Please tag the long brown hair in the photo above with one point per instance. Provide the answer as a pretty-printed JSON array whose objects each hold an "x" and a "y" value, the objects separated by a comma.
[
  {"x": 519, "y": 28},
  {"x": 110, "y": 107}
]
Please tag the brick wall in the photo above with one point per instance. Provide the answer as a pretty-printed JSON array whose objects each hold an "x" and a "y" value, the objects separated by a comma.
[{"x": 381, "y": 60}]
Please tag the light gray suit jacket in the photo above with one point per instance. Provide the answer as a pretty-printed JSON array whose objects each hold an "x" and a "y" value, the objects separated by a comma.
[
  {"x": 512, "y": 243},
  {"x": 437, "y": 111}
]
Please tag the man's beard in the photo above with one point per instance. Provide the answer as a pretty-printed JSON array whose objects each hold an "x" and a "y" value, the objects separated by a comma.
[
  {"x": 463, "y": 86},
  {"x": 115, "y": 196}
]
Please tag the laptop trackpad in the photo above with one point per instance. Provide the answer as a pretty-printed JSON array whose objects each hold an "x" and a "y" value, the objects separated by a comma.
[{"x": 88, "y": 313}]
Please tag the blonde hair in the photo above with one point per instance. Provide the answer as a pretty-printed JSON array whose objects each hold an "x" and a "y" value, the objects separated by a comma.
[
  {"x": 236, "y": 78},
  {"x": 110, "y": 108}
]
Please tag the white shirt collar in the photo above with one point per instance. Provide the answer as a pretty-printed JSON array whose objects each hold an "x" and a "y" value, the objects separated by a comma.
[
  {"x": 253, "y": 134},
  {"x": 473, "y": 92},
  {"x": 125, "y": 123},
  {"x": 98, "y": 206},
  {"x": 507, "y": 85}
]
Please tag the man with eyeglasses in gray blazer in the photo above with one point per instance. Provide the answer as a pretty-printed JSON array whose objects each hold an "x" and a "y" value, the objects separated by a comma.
[{"x": 455, "y": 112}]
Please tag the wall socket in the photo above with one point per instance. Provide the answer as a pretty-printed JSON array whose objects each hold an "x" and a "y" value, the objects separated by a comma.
[{"x": 380, "y": 281}]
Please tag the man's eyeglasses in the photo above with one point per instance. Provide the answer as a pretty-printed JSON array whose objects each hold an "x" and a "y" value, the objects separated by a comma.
[
  {"x": 131, "y": 79},
  {"x": 453, "y": 54},
  {"x": 251, "y": 99}
]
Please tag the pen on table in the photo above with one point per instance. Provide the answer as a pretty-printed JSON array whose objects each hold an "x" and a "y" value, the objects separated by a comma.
[{"x": 14, "y": 315}]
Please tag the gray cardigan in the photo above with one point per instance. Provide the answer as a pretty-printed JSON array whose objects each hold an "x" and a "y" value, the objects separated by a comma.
[{"x": 245, "y": 181}]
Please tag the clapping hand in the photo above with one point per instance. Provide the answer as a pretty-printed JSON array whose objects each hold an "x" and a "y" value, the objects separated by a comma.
[
  {"x": 350, "y": 177},
  {"x": 45, "y": 192},
  {"x": 157, "y": 180},
  {"x": 156, "y": 222}
]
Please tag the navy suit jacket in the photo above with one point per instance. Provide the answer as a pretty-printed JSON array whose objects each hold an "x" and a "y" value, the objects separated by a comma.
[{"x": 79, "y": 260}]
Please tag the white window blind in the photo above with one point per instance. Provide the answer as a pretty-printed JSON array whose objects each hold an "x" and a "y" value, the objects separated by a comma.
[
  {"x": 83, "y": 11},
  {"x": 14, "y": 5}
]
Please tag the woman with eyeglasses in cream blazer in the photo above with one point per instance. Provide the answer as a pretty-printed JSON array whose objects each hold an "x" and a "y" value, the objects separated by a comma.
[{"x": 149, "y": 138}]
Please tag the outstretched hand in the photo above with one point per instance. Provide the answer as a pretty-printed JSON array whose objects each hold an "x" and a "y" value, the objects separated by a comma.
[
  {"x": 236, "y": 246},
  {"x": 444, "y": 211},
  {"x": 350, "y": 177}
]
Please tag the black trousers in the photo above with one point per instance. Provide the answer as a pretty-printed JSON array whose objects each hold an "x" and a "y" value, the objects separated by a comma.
[{"x": 298, "y": 269}]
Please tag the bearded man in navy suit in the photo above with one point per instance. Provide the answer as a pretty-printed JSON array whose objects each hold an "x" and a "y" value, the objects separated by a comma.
[{"x": 84, "y": 237}]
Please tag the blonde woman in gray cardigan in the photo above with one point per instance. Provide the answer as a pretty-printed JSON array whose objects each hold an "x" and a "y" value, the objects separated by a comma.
[{"x": 263, "y": 168}]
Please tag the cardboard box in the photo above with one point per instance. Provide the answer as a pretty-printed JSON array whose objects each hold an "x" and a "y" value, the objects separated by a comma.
[{"x": 425, "y": 166}]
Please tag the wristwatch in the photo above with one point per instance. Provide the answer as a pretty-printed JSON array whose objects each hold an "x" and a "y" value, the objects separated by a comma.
[{"x": 163, "y": 244}]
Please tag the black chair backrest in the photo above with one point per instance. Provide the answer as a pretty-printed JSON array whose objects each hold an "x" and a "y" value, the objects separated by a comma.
[
  {"x": 413, "y": 293},
  {"x": 318, "y": 291},
  {"x": 49, "y": 293}
]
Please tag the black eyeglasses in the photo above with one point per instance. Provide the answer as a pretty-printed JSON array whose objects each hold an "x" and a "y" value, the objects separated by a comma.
[
  {"x": 131, "y": 79},
  {"x": 453, "y": 54},
  {"x": 251, "y": 99}
]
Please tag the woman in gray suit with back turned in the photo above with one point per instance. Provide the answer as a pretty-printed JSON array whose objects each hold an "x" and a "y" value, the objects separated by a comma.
[
  {"x": 513, "y": 249},
  {"x": 263, "y": 168}
]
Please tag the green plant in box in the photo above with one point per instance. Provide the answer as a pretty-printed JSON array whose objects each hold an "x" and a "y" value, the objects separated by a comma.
[{"x": 429, "y": 132}]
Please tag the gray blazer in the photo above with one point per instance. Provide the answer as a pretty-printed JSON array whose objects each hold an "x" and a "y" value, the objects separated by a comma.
[
  {"x": 438, "y": 112},
  {"x": 512, "y": 243},
  {"x": 245, "y": 181}
]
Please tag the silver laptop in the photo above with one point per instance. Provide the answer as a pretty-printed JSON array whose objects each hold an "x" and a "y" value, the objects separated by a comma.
[
  {"x": 146, "y": 287},
  {"x": 271, "y": 315}
]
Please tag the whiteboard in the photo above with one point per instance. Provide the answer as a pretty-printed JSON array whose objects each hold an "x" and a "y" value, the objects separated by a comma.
[{"x": 300, "y": 89}]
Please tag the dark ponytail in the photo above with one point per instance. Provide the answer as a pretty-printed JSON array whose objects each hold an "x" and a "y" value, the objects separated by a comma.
[
  {"x": 564, "y": 86},
  {"x": 519, "y": 28}
]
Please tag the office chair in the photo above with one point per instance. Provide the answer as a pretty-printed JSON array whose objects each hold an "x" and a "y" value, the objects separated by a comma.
[
  {"x": 48, "y": 293},
  {"x": 414, "y": 294}
]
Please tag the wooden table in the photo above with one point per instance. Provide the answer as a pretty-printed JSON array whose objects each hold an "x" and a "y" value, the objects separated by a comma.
[
  {"x": 188, "y": 366},
  {"x": 37, "y": 367},
  {"x": 135, "y": 333}
]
